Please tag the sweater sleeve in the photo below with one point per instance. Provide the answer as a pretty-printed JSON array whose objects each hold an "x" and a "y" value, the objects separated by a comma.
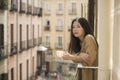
[{"x": 91, "y": 49}]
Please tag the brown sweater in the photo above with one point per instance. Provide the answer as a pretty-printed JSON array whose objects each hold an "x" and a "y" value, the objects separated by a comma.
[{"x": 90, "y": 47}]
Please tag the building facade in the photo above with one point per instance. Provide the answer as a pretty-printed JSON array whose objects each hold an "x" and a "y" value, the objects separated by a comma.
[
  {"x": 56, "y": 23},
  {"x": 20, "y": 24}
]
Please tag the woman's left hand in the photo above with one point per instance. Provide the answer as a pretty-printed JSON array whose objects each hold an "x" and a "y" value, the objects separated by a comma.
[{"x": 66, "y": 56}]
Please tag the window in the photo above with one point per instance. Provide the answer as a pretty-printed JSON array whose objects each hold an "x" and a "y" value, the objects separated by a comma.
[
  {"x": 47, "y": 7},
  {"x": 81, "y": 10},
  {"x": 27, "y": 68},
  {"x": 27, "y": 33},
  {"x": 33, "y": 31},
  {"x": 60, "y": 23},
  {"x": 12, "y": 34},
  {"x": 20, "y": 36},
  {"x": 33, "y": 64},
  {"x": 47, "y": 25},
  {"x": 60, "y": 7},
  {"x": 59, "y": 41},
  {"x": 73, "y": 6},
  {"x": 47, "y": 41},
  {"x": 12, "y": 74},
  {"x": 1, "y": 34},
  {"x": 20, "y": 68}
]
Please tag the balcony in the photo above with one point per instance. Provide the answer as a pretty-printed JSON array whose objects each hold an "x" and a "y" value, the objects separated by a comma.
[
  {"x": 59, "y": 28},
  {"x": 29, "y": 9},
  {"x": 35, "y": 10},
  {"x": 3, "y": 52},
  {"x": 58, "y": 46},
  {"x": 59, "y": 12},
  {"x": 3, "y": 4},
  {"x": 47, "y": 12},
  {"x": 22, "y": 46},
  {"x": 13, "y": 49},
  {"x": 72, "y": 11},
  {"x": 47, "y": 44},
  {"x": 30, "y": 44},
  {"x": 22, "y": 7},
  {"x": 94, "y": 72},
  {"x": 35, "y": 42},
  {"x": 40, "y": 12},
  {"x": 39, "y": 40},
  {"x": 13, "y": 7},
  {"x": 47, "y": 28}
]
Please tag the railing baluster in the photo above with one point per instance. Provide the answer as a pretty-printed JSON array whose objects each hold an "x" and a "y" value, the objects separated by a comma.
[{"x": 86, "y": 67}]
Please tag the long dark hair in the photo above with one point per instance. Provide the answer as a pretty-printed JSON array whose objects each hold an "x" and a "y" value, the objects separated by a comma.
[{"x": 74, "y": 46}]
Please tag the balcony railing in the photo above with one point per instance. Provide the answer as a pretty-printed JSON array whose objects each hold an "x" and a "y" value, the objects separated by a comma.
[
  {"x": 22, "y": 7},
  {"x": 22, "y": 46},
  {"x": 40, "y": 12},
  {"x": 59, "y": 28},
  {"x": 3, "y": 51},
  {"x": 13, "y": 49},
  {"x": 47, "y": 12},
  {"x": 93, "y": 69},
  {"x": 59, "y": 12},
  {"x": 72, "y": 11},
  {"x": 39, "y": 40},
  {"x": 29, "y": 9},
  {"x": 13, "y": 7},
  {"x": 47, "y": 28},
  {"x": 30, "y": 43},
  {"x": 47, "y": 44},
  {"x": 34, "y": 41},
  {"x": 58, "y": 46},
  {"x": 3, "y": 4},
  {"x": 35, "y": 10}
]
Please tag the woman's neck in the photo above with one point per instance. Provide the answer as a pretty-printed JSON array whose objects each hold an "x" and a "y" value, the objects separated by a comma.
[{"x": 81, "y": 38}]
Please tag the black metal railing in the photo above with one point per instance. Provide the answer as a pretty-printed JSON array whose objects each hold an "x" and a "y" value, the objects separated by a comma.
[
  {"x": 29, "y": 9},
  {"x": 39, "y": 40},
  {"x": 13, "y": 7},
  {"x": 94, "y": 71},
  {"x": 3, "y": 51},
  {"x": 22, "y": 7},
  {"x": 34, "y": 41},
  {"x": 72, "y": 11},
  {"x": 47, "y": 28},
  {"x": 3, "y": 4},
  {"x": 30, "y": 43},
  {"x": 22, "y": 46},
  {"x": 35, "y": 10},
  {"x": 40, "y": 12},
  {"x": 13, "y": 49},
  {"x": 58, "y": 46}
]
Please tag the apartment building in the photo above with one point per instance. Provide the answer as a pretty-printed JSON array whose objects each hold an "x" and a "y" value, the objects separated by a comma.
[
  {"x": 56, "y": 23},
  {"x": 20, "y": 35}
]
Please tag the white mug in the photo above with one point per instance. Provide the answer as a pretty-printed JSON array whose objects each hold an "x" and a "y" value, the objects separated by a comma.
[{"x": 59, "y": 53}]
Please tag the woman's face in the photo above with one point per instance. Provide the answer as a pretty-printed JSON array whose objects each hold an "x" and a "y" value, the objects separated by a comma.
[{"x": 78, "y": 31}]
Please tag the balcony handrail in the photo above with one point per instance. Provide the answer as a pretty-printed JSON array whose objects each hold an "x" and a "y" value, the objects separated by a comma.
[
  {"x": 93, "y": 68},
  {"x": 13, "y": 48},
  {"x": 3, "y": 51}
]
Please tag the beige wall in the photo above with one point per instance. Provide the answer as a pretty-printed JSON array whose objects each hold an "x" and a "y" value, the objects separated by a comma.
[
  {"x": 116, "y": 41},
  {"x": 105, "y": 30}
]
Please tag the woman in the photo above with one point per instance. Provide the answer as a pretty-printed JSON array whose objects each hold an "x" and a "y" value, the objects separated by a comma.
[{"x": 83, "y": 47}]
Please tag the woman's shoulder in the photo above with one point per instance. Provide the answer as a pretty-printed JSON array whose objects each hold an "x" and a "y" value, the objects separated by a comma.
[
  {"x": 90, "y": 39},
  {"x": 89, "y": 36}
]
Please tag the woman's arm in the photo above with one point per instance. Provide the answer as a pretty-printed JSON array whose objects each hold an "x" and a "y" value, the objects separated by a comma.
[{"x": 75, "y": 58}]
